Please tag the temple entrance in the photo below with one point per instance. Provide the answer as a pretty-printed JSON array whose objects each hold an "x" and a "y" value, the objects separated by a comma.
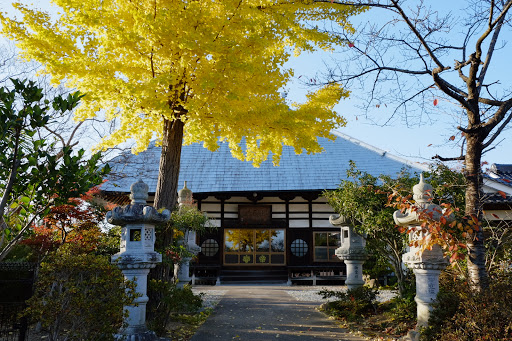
[{"x": 249, "y": 247}]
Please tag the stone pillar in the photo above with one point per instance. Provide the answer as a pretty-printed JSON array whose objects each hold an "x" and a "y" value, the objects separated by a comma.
[
  {"x": 426, "y": 264},
  {"x": 352, "y": 251},
  {"x": 189, "y": 239},
  {"x": 137, "y": 255}
]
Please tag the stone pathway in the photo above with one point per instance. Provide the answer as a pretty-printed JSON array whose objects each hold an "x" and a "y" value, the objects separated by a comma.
[{"x": 263, "y": 312}]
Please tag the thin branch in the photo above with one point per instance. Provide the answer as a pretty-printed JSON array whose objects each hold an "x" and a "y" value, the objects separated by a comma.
[
  {"x": 498, "y": 131},
  {"x": 12, "y": 175},
  {"x": 448, "y": 88},
  {"x": 490, "y": 28},
  {"x": 19, "y": 235},
  {"x": 490, "y": 52},
  {"x": 440, "y": 158},
  {"x": 358, "y": 4},
  {"x": 419, "y": 36}
]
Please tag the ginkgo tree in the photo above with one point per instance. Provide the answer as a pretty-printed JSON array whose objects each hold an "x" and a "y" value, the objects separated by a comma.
[{"x": 188, "y": 71}]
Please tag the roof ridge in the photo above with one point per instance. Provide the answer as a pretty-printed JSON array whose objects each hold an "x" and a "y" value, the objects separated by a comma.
[{"x": 382, "y": 152}]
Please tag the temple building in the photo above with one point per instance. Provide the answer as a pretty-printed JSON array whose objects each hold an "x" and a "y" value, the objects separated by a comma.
[{"x": 273, "y": 222}]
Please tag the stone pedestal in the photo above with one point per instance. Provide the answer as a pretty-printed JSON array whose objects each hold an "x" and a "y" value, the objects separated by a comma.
[
  {"x": 137, "y": 255},
  {"x": 352, "y": 251},
  {"x": 184, "y": 272},
  {"x": 426, "y": 264},
  {"x": 189, "y": 239},
  {"x": 354, "y": 273},
  {"x": 189, "y": 242},
  {"x": 137, "y": 313},
  {"x": 427, "y": 287}
]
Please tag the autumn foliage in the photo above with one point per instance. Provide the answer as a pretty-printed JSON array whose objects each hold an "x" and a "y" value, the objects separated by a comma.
[
  {"x": 218, "y": 66},
  {"x": 442, "y": 225},
  {"x": 76, "y": 223}
]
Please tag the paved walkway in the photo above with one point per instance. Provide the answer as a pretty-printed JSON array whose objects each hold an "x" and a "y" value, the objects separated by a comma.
[{"x": 261, "y": 312}]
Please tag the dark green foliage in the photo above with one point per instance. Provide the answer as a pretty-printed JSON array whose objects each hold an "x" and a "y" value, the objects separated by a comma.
[
  {"x": 363, "y": 201},
  {"x": 461, "y": 314},
  {"x": 403, "y": 308},
  {"x": 449, "y": 186},
  {"x": 353, "y": 304},
  {"x": 34, "y": 173},
  {"x": 80, "y": 297},
  {"x": 377, "y": 265},
  {"x": 109, "y": 241},
  {"x": 173, "y": 300},
  {"x": 190, "y": 218}
]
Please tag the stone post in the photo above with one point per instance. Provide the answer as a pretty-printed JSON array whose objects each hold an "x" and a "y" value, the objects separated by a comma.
[
  {"x": 137, "y": 255},
  {"x": 189, "y": 239},
  {"x": 352, "y": 251},
  {"x": 427, "y": 264}
]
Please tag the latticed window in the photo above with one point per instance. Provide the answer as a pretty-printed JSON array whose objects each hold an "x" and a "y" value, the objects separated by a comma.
[
  {"x": 326, "y": 244},
  {"x": 210, "y": 247},
  {"x": 299, "y": 248}
]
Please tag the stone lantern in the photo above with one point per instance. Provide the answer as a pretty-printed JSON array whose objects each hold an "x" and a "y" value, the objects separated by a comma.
[
  {"x": 189, "y": 239},
  {"x": 426, "y": 264},
  {"x": 137, "y": 255},
  {"x": 352, "y": 251}
]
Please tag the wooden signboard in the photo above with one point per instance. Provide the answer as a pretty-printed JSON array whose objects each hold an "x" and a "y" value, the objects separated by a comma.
[{"x": 255, "y": 215}]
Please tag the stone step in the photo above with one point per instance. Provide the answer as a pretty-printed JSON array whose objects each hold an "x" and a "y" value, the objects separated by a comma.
[{"x": 253, "y": 276}]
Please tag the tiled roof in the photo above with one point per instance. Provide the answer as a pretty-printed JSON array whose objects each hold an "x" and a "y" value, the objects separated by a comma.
[
  {"x": 501, "y": 173},
  {"x": 497, "y": 198},
  {"x": 218, "y": 171}
]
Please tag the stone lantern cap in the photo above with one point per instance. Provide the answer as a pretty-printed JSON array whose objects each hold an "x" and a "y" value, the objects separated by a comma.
[
  {"x": 352, "y": 244},
  {"x": 138, "y": 230},
  {"x": 417, "y": 257},
  {"x": 423, "y": 205},
  {"x": 185, "y": 195},
  {"x": 137, "y": 211}
]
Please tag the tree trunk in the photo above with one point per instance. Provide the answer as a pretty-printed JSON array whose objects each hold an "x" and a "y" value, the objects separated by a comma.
[
  {"x": 477, "y": 272},
  {"x": 166, "y": 195}
]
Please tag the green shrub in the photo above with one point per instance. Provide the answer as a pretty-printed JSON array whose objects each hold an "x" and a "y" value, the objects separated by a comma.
[
  {"x": 172, "y": 300},
  {"x": 352, "y": 304},
  {"x": 80, "y": 296},
  {"x": 403, "y": 308},
  {"x": 460, "y": 314}
]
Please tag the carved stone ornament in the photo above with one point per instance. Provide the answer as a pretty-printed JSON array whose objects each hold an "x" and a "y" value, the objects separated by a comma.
[
  {"x": 137, "y": 211},
  {"x": 349, "y": 254},
  {"x": 352, "y": 247},
  {"x": 185, "y": 196},
  {"x": 423, "y": 205},
  {"x": 137, "y": 261},
  {"x": 337, "y": 219}
]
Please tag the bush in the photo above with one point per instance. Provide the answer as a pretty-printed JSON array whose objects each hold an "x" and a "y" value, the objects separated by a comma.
[
  {"x": 81, "y": 296},
  {"x": 172, "y": 300},
  {"x": 460, "y": 314},
  {"x": 403, "y": 308},
  {"x": 352, "y": 304}
]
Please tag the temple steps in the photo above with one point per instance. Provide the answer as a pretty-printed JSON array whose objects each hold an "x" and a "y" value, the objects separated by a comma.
[{"x": 257, "y": 276}]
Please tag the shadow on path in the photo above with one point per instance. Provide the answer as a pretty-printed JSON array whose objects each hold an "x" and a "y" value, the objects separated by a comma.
[{"x": 259, "y": 313}]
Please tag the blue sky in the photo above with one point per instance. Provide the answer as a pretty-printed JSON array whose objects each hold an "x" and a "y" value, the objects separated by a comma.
[{"x": 418, "y": 143}]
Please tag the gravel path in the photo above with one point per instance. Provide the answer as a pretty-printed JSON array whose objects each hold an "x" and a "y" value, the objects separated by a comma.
[
  {"x": 210, "y": 297},
  {"x": 213, "y": 295}
]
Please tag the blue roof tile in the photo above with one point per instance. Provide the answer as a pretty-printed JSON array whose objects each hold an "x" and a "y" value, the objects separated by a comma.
[{"x": 218, "y": 171}]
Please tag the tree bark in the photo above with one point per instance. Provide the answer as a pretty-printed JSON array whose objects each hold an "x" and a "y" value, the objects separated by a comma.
[
  {"x": 166, "y": 195},
  {"x": 477, "y": 271}
]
